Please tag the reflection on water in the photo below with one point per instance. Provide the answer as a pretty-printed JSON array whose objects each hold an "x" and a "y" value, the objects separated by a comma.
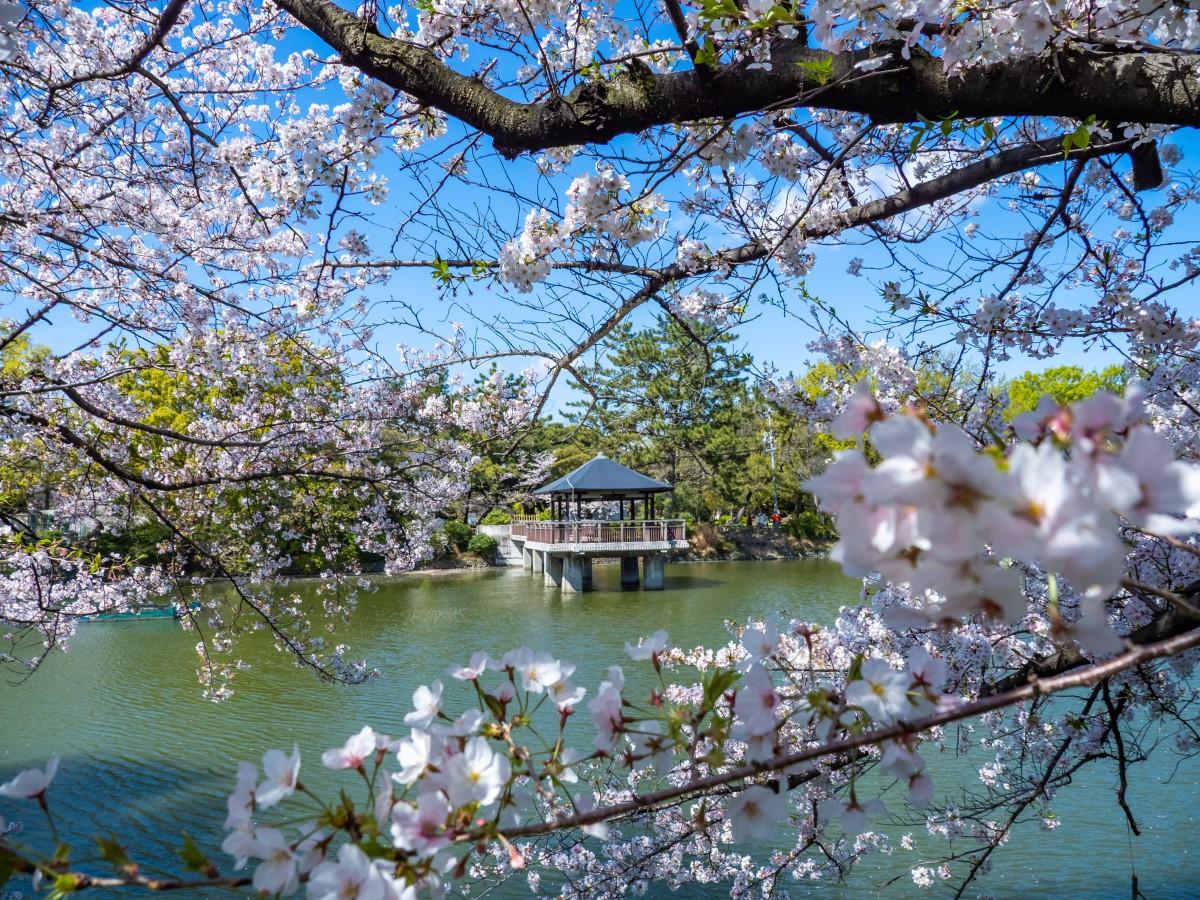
[{"x": 142, "y": 751}]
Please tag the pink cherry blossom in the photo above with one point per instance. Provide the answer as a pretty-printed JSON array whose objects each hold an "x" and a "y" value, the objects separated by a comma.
[
  {"x": 352, "y": 875},
  {"x": 421, "y": 829},
  {"x": 278, "y": 872}
]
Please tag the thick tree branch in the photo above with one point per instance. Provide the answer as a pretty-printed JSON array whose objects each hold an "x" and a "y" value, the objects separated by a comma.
[
  {"x": 1173, "y": 622},
  {"x": 1122, "y": 86},
  {"x": 1035, "y": 688}
]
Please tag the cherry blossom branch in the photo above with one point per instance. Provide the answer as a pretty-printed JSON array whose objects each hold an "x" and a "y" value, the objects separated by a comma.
[
  {"x": 1140, "y": 587},
  {"x": 166, "y": 21},
  {"x": 1068, "y": 83},
  {"x": 1036, "y": 687}
]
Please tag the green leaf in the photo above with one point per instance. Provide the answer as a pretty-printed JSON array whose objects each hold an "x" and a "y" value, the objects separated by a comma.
[
  {"x": 7, "y": 866},
  {"x": 707, "y": 54},
  {"x": 719, "y": 9},
  {"x": 113, "y": 853},
  {"x": 820, "y": 70},
  {"x": 1080, "y": 138},
  {"x": 855, "y": 673},
  {"x": 776, "y": 15},
  {"x": 63, "y": 885},
  {"x": 716, "y": 683},
  {"x": 193, "y": 858},
  {"x": 441, "y": 271},
  {"x": 989, "y": 131},
  {"x": 494, "y": 706}
]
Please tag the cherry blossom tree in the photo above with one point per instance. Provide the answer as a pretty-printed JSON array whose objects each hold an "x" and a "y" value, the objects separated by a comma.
[{"x": 230, "y": 199}]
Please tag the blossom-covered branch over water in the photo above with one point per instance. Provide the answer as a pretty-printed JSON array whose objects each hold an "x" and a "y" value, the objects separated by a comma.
[
  {"x": 770, "y": 739},
  {"x": 211, "y": 339}
]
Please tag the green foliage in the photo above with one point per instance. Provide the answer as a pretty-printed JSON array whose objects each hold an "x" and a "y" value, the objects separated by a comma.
[
  {"x": 458, "y": 534},
  {"x": 139, "y": 542},
  {"x": 1066, "y": 384},
  {"x": 675, "y": 403},
  {"x": 22, "y": 477},
  {"x": 496, "y": 517},
  {"x": 811, "y": 525},
  {"x": 193, "y": 857},
  {"x": 688, "y": 504},
  {"x": 1080, "y": 138},
  {"x": 820, "y": 70},
  {"x": 679, "y": 402},
  {"x": 946, "y": 126},
  {"x": 482, "y": 545}
]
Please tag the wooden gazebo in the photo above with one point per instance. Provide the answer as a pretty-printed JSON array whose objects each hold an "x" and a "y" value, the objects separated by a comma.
[
  {"x": 603, "y": 480},
  {"x": 563, "y": 547}
]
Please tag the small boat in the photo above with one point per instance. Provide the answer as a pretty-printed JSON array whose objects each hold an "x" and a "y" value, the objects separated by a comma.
[{"x": 148, "y": 612}]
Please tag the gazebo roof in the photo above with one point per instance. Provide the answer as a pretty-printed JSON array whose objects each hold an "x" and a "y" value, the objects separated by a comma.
[{"x": 603, "y": 478}]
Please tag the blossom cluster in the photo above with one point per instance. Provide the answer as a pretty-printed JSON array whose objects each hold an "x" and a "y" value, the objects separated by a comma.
[
  {"x": 599, "y": 206},
  {"x": 482, "y": 777},
  {"x": 958, "y": 523}
]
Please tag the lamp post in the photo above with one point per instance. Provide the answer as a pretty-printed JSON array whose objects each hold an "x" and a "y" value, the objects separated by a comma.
[{"x": 769, "y": 445}]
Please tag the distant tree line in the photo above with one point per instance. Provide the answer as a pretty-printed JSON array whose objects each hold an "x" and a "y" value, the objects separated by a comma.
[{"x": 680, "y": 402}]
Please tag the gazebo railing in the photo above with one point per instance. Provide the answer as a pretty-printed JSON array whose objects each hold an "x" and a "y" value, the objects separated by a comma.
[{"x": 643, "y": 531}]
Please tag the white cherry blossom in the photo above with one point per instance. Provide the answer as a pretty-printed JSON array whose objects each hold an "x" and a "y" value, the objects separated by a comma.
[
  {"x": 881, "y": 692},
  {"x": 757, "y": 813},
  {"x": 31, "y": 783},
  {"x": 427, "y": 703},
  {"x": 282, "y": 777},
  {"x": 649, "y": 647},
  {"x": 477, "y": 775},
  {"x": 353, "y": 753}
]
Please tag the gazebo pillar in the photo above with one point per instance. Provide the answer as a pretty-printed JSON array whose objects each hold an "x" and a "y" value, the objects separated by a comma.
[
  {"x": 553, "y": 576},
  {"x": 572, "y": 573},
  {"x": 653, "y": 572}
]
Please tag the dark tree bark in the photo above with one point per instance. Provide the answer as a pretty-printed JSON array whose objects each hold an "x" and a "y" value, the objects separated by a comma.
[{"x": 1117, "y": 86}]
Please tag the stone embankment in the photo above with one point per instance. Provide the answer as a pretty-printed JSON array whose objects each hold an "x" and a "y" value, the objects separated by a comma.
[{"x": 712, "y": 542}]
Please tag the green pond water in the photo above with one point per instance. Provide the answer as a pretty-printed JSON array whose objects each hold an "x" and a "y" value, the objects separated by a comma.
[{"x": 144, "y": 754}]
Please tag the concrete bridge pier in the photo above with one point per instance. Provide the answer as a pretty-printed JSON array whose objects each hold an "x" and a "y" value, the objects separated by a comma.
[
  {"x": 629, "y": 571},
  {"x": 527, "y": 559},
  {"x": 537, "y": 561},
  {"x": 653, "y": 573},
  {"x": 587, "y": 570},
  {"x": 553, "y": 574},
  {"x": 572, "y": 573}
]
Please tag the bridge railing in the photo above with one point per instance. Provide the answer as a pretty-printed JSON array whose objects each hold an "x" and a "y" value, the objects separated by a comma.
[{"x": 643, "y": 531}]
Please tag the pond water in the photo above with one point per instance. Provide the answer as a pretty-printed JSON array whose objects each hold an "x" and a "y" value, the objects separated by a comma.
[{"x": 143, "y": 752}]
